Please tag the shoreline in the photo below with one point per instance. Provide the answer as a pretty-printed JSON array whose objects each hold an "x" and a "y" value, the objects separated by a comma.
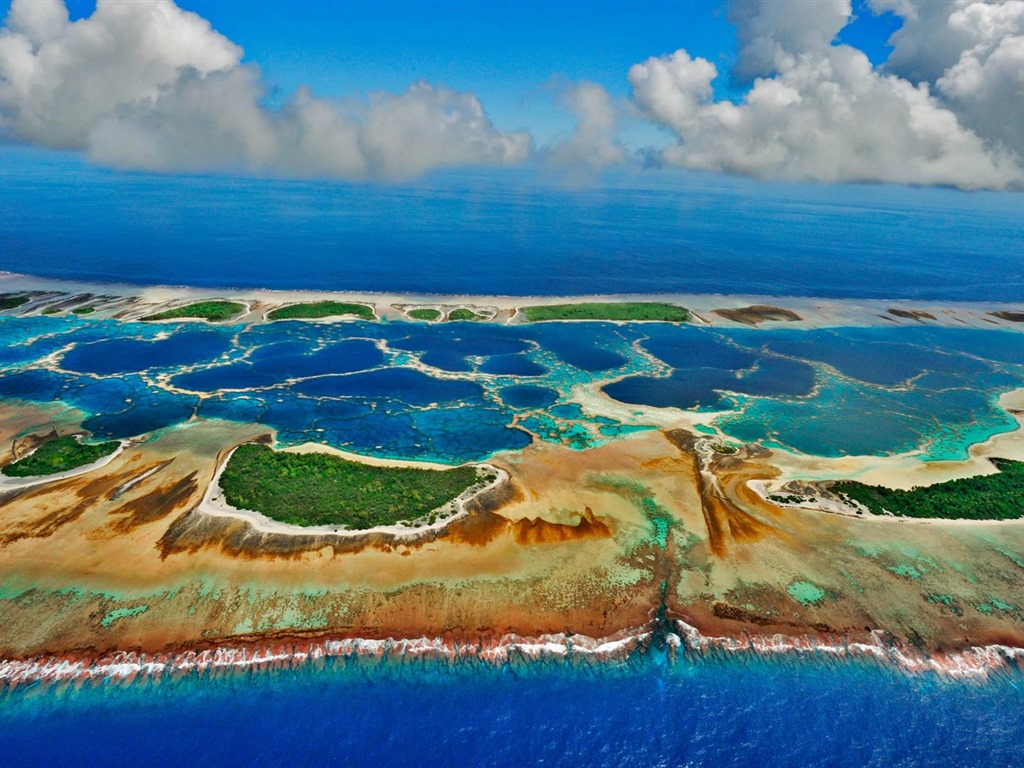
[
  {"x": 679, "y": 641},
  {"x": 125, "y": 301},
  {"x": 12, "y": 484},
  {"x": 213, "y": 503}
]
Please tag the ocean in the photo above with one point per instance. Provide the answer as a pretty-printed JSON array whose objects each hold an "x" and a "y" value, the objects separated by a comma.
[
  {"x": 758, "y": 713},
  {"x": 512, "y": 235},
  {"x": 509, "y": 234}
]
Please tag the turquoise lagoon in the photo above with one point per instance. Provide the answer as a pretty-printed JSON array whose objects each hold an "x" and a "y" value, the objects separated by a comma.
[{"x": 463, "y": 391}]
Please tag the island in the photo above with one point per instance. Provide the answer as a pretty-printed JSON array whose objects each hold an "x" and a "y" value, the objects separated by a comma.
[
  {"x": 59, "y": 454},
  {"x": 626, "y": 311},
  {"x": 316, "y": 489},
  {"x": 427, "y": 314},
  {"x": 316, "y": 310},
  {"x": 211, "y": 311},
  {"x": 800, "y": 476}
]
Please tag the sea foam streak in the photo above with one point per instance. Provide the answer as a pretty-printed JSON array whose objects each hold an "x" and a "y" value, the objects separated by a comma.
[{"x": 975, "y": 663}]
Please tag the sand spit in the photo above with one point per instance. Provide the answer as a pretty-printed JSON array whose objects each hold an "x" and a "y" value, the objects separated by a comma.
[{"x": 130, "y": 302}]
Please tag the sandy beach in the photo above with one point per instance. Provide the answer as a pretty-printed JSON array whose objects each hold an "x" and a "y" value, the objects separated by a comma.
[{"x": 132, "y": 302}]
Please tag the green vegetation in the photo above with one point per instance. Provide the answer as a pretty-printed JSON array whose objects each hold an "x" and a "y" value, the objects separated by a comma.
[
  {"x": 788, "y": 498},
  {"x": 83, "y": 310},
  {"x": 724, "y": 448},
  {"x": 59, "y": 455},
  {"x": 213, "y": 311},
  {"x": 320, "y": 489},
  {"x": 51, "y": 311},
  {"x": 626, "y": 310},
  {"x": 12, "y": 302},
  {"x": 314, "y": 310},
  {"x": 463, "y": 314},
  {"x": 424, "y": 314},
  {"x": 984, "y": 497}
]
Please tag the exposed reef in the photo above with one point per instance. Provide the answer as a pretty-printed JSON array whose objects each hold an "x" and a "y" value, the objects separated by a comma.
[
  {"x": 574, "y": 545},
  {"x": 613, "y": 525},
  {"x": 759, "y": 313}
]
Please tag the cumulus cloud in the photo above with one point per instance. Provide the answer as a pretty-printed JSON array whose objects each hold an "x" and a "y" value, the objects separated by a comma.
[
  {"x": 592, "y": 145},
  {"x": 770, "y": 34},
  {"x": 818, "y": 110},
  {"x": 145, "y": 84},
  {"x": 972, "y": 54}
]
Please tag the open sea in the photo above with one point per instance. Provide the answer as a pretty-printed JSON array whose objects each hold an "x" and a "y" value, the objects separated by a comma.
[
  {"x": 760, "y": 713},
  {"x": 509, "y": 234},
  {"x": 514, "y": 234}
]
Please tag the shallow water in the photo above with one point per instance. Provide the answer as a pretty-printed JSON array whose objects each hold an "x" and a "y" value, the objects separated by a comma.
[{"x": 439, "y": 391}]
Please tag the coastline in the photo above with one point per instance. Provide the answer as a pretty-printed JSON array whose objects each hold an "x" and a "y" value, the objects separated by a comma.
[
  {"x": 127, "y": 301},
  {"x": 14, "y": 484},
  {"x": 675, "y": 639},
  {"x": 589, "y": 540}
]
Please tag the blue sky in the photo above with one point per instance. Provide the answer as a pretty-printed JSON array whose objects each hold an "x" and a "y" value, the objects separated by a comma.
[
  {"x": 912, "y": 92},
  {"x": 510, "y": 54}
]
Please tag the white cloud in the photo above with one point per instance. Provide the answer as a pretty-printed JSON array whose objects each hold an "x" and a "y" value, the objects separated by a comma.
[
  {"x": 771, "y": 33},
  {"x": 822, "y": 112},
  {"x": 145, "y": 84},
  {"x": 57, "y": 79},
  {"x": 592, "y": 145},
  {"x": 972, "y": 53},
  {"x": 926, "y": 45}
]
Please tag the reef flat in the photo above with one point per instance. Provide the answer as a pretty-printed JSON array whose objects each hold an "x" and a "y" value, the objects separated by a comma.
[{"x": 651, "y": 481}]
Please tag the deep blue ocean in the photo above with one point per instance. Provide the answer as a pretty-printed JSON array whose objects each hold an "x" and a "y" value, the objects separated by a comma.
[
  {"x": 517, "y": 234},
  {"x": 758, "y": 714},
  {"x": 509, "y": 234}
]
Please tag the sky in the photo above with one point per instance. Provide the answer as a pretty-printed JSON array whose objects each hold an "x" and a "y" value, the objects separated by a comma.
[{"x": 921, "y": 92}]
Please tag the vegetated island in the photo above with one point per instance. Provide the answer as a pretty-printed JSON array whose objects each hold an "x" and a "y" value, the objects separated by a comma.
[
  {"x": 60, "y": 454},
  {"x": 463, "y": 315},
  {"x": 983, "y": 497},
  {"x": 618, "y": 311},
  {"x": 212, "y": 311},
  {"x": 316, "y": 310},
  {"x": 424, "y": 313},
  {"x": 12, "y": 302},
  {"x": 311, "y": 489}
]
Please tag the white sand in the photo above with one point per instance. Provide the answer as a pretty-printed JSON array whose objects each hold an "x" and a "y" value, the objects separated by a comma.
[{"x": 815, "y": 312}]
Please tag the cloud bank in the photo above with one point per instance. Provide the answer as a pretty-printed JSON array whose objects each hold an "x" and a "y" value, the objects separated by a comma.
[
  {"x": 145, "y": 84},
  {"x": 948, "y": 113}
]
